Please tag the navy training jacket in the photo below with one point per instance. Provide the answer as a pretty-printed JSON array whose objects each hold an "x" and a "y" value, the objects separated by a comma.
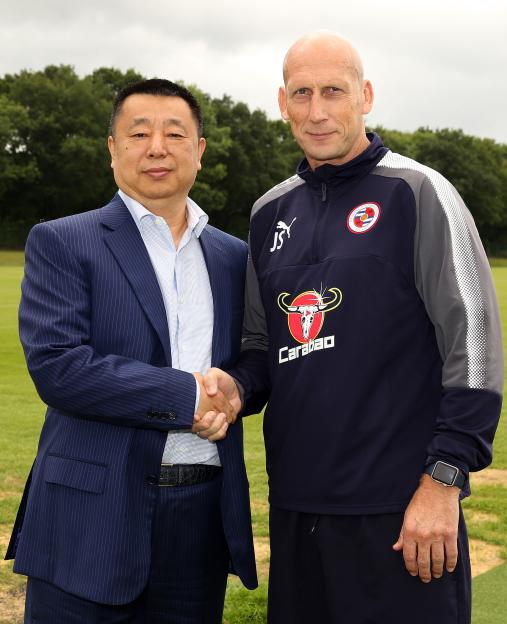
[{"x": 372, "y": 324}]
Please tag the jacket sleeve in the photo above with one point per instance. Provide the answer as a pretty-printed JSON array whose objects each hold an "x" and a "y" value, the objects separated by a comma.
[
  {"x": 252, "y": 369},
  {"x": 55, "y": 330},
  {"x": 455, "y": 283}
]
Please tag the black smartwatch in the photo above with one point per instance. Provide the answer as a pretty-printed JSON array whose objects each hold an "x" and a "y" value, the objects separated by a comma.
[{"x": 446, "y": 474}]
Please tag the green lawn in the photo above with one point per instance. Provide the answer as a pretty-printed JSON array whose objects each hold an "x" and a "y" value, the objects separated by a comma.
[
  {"x": 490, "y": 597},
  {"x": 21, "y": 415}
]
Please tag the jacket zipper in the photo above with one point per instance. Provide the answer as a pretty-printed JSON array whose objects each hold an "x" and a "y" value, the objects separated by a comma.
[{"x": 318, "y": 220}]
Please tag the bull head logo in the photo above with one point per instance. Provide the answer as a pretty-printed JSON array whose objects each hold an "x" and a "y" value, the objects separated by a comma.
[{"x": 306, "y": 311}]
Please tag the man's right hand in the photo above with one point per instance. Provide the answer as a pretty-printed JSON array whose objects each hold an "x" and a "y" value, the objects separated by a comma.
[{"x": 217, "y": 381}]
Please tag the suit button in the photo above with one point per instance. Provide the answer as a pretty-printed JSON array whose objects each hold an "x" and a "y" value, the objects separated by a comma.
[
  {"x": 171, "y": 415},
  {"x": 152, "y": 479}
]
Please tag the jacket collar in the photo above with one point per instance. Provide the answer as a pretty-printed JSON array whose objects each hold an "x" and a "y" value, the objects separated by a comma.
[
  {"x": 125, "y": 243},
  {"x": 220, "y": 281},
  {"x": 337, "y": 174}
]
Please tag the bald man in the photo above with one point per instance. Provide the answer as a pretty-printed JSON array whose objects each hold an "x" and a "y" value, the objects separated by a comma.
[{"x": 372, "y": 325}]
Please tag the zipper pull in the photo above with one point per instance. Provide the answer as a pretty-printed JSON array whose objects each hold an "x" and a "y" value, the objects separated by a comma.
[
  {"x": 323, "y": 188},
  {"x": 314, "y": 524}
]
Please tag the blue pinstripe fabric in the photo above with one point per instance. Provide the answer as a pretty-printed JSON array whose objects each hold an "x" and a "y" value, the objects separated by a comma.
[
  {"x": 94, "y": 331},
  {"x": 187, "y": 577}
]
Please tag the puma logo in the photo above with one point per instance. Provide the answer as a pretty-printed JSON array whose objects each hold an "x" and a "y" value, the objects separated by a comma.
[{"x": 281, "y": 229}]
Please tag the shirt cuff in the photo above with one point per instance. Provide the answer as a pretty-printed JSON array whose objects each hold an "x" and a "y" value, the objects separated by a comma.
[
  {"x": 197, "y": 395},
  {"x": 241, "y": 392}
]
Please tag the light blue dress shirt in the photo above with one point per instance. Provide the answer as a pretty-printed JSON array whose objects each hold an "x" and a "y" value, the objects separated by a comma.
[{"x": 184, "y": 283}]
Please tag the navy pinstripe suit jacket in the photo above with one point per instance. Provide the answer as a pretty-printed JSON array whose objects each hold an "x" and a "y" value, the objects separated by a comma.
[{"x": 94, "y": 330}]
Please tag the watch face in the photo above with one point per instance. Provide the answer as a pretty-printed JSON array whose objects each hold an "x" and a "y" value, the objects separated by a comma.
[{"x": 445, "y": 473}]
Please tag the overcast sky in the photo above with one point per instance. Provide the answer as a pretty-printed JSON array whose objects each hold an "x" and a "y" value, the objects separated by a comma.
[{"x": 433, "y": 63}]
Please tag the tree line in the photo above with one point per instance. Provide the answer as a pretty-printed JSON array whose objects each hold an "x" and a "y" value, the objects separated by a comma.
[{"x": 54, "y": 160}]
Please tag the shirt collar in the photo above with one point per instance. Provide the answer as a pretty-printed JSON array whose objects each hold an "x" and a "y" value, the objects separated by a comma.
[{"x": 197, "y": 219}]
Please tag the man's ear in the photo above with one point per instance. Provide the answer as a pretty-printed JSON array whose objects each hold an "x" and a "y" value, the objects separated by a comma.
[
  {"x": 200, "y": 151},
  {"x": 282, "y": 103},
  {"x": 111, "y": 148},
  {"x": 368, "y": 97}
]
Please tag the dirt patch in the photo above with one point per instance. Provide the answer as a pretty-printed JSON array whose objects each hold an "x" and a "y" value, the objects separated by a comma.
[
  {"x": 12, "y": 591},
  {"x": 483, "y": 556},
  {"x": 12, "y": 586},
  {"x": 490, "y": 476},
  {"x": 7, "y": 494},
  {"x": 14, "y": 483},
  {"x": 12, "y": 605},
  {"x": 477, "y": 517},
  {"x": 5, "y": 536},
  {"x": 262, "y": 553},
  {"x": 259, "y": 506}
]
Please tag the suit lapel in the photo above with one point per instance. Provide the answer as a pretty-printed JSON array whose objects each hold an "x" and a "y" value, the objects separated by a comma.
[
  {"x": 125, "y": 242},
  {"x": 220, "y": 286}
]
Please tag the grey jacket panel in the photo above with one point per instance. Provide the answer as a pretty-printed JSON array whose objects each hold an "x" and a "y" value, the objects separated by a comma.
[
  {"x": 453, "y": 278},
  {"x": 276, "y": 191},
  {"x": 255, "y": 332}
]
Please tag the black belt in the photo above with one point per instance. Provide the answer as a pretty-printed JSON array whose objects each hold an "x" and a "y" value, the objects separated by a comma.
[{"x": 172, "y": 475}]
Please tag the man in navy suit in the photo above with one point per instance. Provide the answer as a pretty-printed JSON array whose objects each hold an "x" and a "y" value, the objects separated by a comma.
[{"x": 137, "y": 506}]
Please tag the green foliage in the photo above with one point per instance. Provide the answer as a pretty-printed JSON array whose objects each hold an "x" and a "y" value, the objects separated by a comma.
[
  {"x": 262, "y": 154},
  {"x": 396, "y": 141},
  {"x": 53, "y": 128},
  {"x": 247, "y": 154},
  {"x": 54, "y": 160},
  {"x": 476, "y": 167},
  {"x": 208, "y": 190},
  {"x": 17, "y": 164}
]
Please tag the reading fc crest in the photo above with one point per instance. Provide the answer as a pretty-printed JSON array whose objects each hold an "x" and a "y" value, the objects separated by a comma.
[{"x": 362, "y": 218}]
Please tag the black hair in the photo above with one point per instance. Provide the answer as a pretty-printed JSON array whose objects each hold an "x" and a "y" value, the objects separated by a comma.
[{"x": 156, "y": 86}]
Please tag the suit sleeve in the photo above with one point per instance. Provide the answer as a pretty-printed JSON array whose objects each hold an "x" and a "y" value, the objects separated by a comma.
[
  {"x": 54, "y": 326},
  {"x": 454, "y": 280},
  {"x": 252, "y": 368}
]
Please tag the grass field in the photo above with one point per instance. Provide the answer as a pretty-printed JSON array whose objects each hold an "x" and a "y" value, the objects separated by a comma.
[{"x": 21, "y": 415}]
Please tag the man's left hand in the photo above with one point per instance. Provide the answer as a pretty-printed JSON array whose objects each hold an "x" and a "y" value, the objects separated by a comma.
[
  {"x": 212, "y": 426},
  {"x": 429, "y": 535}
]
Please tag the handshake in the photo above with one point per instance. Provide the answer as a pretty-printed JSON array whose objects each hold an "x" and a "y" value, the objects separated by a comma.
[{"x": 219, "y": 404}]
